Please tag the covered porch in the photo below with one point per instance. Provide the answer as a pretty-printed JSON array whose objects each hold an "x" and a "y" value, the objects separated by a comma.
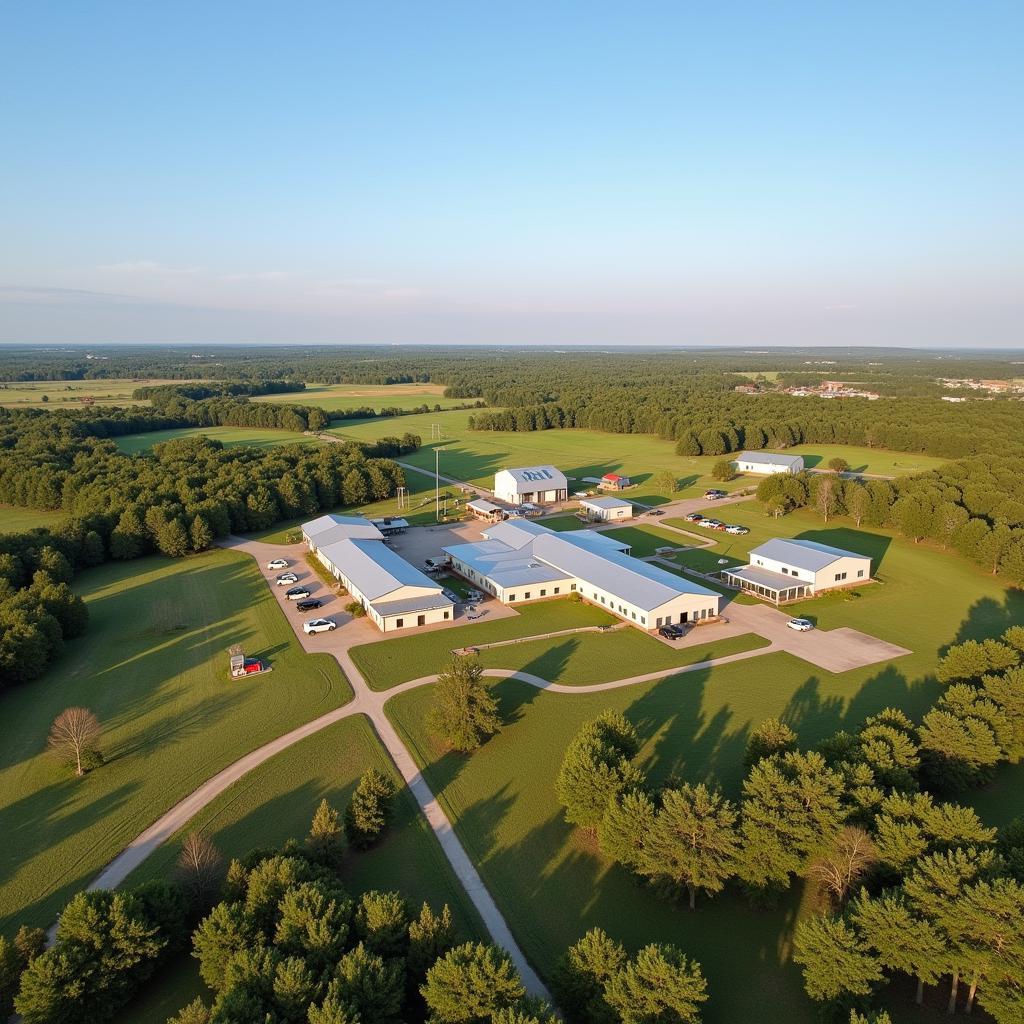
[{"x": 769, "y": 586}]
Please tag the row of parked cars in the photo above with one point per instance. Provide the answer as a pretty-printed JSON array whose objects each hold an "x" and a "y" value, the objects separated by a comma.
[
  {"x": 715, "y": 524},
  {"x": 303, "y": 598}
]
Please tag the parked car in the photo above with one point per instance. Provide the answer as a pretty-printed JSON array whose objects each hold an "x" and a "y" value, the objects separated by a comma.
[
  {"x": 737, "y": 531},
  {"x": 297, "y": 593},
  {"x": 308, "y": 606},
  {"x": 714, "y": 494},
  {"x": 800, "y": 625},
  {"x": 278, "y": 563},
  {"x": 441, "y": 562},
  {"x": 319, "y": 626},
  {"x": 451, "y": 595},
  {"x": 672, "y": 631},
  {"x": 656, "y": 512},
  {"x": 287, "y": 577},
  {"x": 712, "y": 524},
  {"x": 693, "y": 517}
]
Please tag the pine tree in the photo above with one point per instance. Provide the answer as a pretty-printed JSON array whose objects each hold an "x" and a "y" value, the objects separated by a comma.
[
  {"x": 464, "y": 713},
  {"x": 430, "y": 936},
  {"x": 470, "y": 984},
  {"x": 626, "y": 827},
  {"x": 770, "y": 737},
  {"x": 382, "y": 923},
  {"x": 835, "y": 959},
  {"x": 658, "y": 984},
  {"x": 581, "y": 975},
  {"x": 325, "y": 840},
  {"x": 369, "y": 809}
]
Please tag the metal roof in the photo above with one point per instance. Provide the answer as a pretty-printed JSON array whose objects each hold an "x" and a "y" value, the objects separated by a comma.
[
  {"x": 374, "y": 569},
  {"x": 769, "y": 458},
  {"x": 421, "y": 603},
  {"x": 534, "y": 478},
  {"x": 516, "y": 533},
  {"x": 607, "y": 502},
  {"x": 330, "y": 528},
  {"x": 766, "y": 578},
  {"x": 504, "y": 565},
  {"x": 802, "y": 554},
  {"x": 483, "y": 505}
]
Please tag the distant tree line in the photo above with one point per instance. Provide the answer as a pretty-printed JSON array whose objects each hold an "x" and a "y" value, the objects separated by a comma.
[
  {"x": 972, "y": 506},
  {"x": 911, "y": 884}
]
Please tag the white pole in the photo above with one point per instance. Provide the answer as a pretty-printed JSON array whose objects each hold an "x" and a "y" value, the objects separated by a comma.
[{"x": 437, "y": 486}]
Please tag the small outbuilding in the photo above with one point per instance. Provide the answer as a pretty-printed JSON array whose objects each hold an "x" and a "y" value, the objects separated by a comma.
[
  {"x": 786, "y": 570},
  {"x": 541, "y": 485},
  {"x": 614, "y": 482},
  {"x": 606, "y": 509},
  {"x": 486, "y": 510},
  {"x": 768, "y": 463}
]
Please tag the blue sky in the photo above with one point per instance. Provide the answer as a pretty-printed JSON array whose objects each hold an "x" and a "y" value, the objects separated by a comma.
[{"x": 678, "y": 173}]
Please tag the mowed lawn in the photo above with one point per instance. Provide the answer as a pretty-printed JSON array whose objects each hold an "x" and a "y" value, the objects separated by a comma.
[
  {"x": 584, "y": 658},
  {"x": 62, "y": 394},
  {"x": 475, "y": 456},
  {"x": 275, "y": 802},
  {"x": 553, "y": 884},
  {"x": 230, "y": 437},
  {"x": 387, "y": 663},
  {"x": 15, "y": 518},
  {"x": 153, "y": 667}
]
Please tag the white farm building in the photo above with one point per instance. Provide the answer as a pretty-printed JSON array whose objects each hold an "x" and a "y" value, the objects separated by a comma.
[
  {"x": 786, "y": 570},
  {"x": 521, "y": 561},
  {"x": 540, "y": 485},
  {"x": 606, "y": 510},
  {"x": 394, "y": 593},
  {"x": 768, "y": 463}
]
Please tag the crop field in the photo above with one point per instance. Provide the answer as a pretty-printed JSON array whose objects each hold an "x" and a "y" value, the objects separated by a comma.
[
  {"x": 231, "y": 437},
  {"x": 387, "y": 663},
  {"x": 340, "y": 397},
  {"x": 475, "y": 456},
  {"x": 14, "y": 518},
  {"x": 551, "y": 881},
  {"x": 153, "y": 668},
  {"x": 276, "y": 802},
  {"x": 62, "y": 394}
]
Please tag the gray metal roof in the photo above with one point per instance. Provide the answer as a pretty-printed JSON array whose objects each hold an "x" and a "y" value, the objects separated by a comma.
[
  {"x": 766, "y": 578},
  {"x": 374, "y": 569},
  {"x": 422, "y": 603},
  {"x": 768, "y": 458},
  {"x": 536, "y": 478},
  {"x": 506, "y": 566},
  {"x": 483, "y": 505},
  {"x": 516, "y": 533},
  {"x": 329, "y": 528},
  {"x": 607, "y": 502},
  {"x": 802, "y": 554}
]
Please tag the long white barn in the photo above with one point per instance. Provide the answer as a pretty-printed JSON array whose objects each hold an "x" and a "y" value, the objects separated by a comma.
[
  {"x": 541, "y": 485},
  {"x": 394, "y": 593},
  {"x": 768, "y": 462},
  {"x": 521, "y": 561}
]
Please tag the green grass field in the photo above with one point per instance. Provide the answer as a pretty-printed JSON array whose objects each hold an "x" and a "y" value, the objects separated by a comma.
[
  {"x": 276, "y": 802},
  {"x": 14, "y": 518},
  {"x": 585, "y": 658},
  {"x": 387, "y": 663},
  {"x": 552, "y": 883},
  {"x": 231, "y": 437},
  {"x": 339, "y": 397},
  {"x": 65, "y": 393},
  {"x": 153, "y": 668},
  {"x": 475, "y": 456},
  {"x": 644, "y": 541}
]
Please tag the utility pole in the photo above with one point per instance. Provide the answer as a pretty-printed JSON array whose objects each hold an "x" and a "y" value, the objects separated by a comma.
[{"x": 437, "y": 485}]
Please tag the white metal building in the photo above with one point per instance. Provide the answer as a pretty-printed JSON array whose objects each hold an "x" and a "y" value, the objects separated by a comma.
[
  {"x": 786, "y": 570},
  {"x": 541, "y": 485},
  {"x": 768, "y": 462},
  {"x": 607, "y": 510},
  {"x": 394, "y": 593},
  {"x": 487, "y": 510},
  {"x": 521, "y": 561}
]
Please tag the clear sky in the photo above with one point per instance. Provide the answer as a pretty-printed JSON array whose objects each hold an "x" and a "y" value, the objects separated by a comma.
[{"x": 549, "y": 172}]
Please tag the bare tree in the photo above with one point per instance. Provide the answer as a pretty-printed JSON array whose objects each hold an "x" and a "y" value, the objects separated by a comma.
[
  {"x": 199, "y": 869},
  {"x": 852, "y": 854},
  {"x": 825, "y": 498},
  {"x": 75, "y": 731}
]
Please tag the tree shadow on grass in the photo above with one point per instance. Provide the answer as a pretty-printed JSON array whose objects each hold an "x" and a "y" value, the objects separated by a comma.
[
  {"x": 862, "y": 542},
  {"x": 988, "y": 618}
]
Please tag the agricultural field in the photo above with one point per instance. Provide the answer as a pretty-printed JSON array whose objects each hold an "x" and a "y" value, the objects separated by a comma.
[
  {"x": 475, "y": 456},
  {"x": 276, "y": 802},
  {"x": 341, "y": 397},
  {"x": 14, "y": 518},
  {"x": 231, "y": 437},
  {"x": 153, "y": 668},
  {"x": 550, "y": 880},
  {"x": 63, "y": 394},
  {"x": 387, "y": 663}
]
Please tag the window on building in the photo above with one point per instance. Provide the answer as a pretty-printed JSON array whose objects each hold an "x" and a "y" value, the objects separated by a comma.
[
  {"x": 526, "y": 596},
  {"x": 572, "y": 586},
  {"x": 543, "y": 593},
  {"x": 634, "y": 616},
  {"x": 557, "y": 589},
  {"x": 511, "y": 597},
  {"x": 399, "y": 623},
  {"x": 643, "y": 620},
  {"x": 840, "y": 576},
  {"x": 603, "y": 601},
  {"x": 447, "y": 614},
  {"x": 860, "y": 573}
]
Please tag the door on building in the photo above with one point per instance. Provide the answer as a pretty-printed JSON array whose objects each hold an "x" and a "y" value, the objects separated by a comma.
[
  {"x": 421, "y": 620},
  {"x": 683, "y": 616}
]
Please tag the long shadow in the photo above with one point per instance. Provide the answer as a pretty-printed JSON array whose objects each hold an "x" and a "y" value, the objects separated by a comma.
[
  {"x": 862, "y": 542},
  {"x": 988, "y": 618}
]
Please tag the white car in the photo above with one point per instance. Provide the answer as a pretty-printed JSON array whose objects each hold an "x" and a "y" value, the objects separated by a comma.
[
  {"x": 319, "y": 626},
  {"x": 287, "y": 577},
  {"x": 278, "y": 563},
  {"x": 737, "y": 531},
  {"x": 800, "y": 625}
]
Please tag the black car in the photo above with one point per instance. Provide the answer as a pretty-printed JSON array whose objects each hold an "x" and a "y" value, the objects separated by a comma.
[
  {"x": 305, "y": 606},
  {"x": 656, "y": 512},
  {"x": 297, "y": 593},
  {"x": 672, "y": 631}
]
